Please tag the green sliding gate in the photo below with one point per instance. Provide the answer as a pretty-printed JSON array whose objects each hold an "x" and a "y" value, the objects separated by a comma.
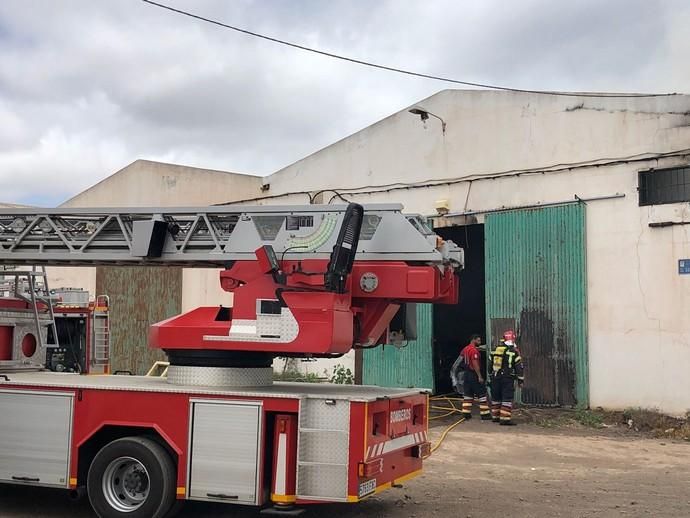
[{"x": 536, "y": 282}]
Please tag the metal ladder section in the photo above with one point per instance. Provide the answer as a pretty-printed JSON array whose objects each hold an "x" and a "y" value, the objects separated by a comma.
[
  {"x": 323, "y": 449},
  {"x": 101, "y": 332},
  {"x": 207, "y": 237},
  {"x": 38, "y": 292}
]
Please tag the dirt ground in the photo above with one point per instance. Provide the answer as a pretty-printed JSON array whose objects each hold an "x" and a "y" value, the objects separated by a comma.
[{"x": 484, "y": 470}]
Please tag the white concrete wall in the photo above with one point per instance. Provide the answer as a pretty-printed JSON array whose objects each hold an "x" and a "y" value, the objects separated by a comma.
[
  {"x": 154, "y": 184},
  {"x": 638, "y": 305},
  {"x": 145, "y": 183},
  {"x": 489, "y": 132}
]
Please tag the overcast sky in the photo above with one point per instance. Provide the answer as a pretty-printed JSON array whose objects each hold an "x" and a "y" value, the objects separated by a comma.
[{"x": 88, "y": 86}]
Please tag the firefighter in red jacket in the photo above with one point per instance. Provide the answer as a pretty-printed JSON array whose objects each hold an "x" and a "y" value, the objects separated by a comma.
[
  {"x": 506, "y": 368},
  {"x": 474, "y": 386}
]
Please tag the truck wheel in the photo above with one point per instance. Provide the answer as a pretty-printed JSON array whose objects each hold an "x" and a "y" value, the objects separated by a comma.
[{"x": 132, "y": 477}]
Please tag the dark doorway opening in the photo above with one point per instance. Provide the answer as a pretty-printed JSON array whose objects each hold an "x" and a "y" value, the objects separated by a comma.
[
  {"x": 454, "y": 324},
  {"x": 70, "y": 356}
]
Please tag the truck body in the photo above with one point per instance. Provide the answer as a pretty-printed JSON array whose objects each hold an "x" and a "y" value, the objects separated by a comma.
[
  {"x": 307, "y": 282},
  {"x": 290, "y": 443}
]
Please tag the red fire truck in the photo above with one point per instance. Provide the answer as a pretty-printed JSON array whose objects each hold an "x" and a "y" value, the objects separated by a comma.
[
  {"x": 61, "y": 330},
  {"x": 308, "y": 281}
]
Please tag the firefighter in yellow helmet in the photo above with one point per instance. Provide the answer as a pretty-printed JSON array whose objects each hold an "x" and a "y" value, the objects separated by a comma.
[{"x": 506, "y": 368}]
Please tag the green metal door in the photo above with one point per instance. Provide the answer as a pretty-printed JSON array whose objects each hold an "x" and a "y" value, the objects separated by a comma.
[
  {"x": 536, "y": 280},
  {"x": 409, "y": 366}
]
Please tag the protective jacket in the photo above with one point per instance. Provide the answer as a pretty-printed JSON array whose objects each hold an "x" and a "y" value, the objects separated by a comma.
[{"x": 507, "y": 362}]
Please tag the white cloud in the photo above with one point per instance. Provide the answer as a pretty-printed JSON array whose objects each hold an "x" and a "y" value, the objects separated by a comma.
[{"x": 87, "y": 86}]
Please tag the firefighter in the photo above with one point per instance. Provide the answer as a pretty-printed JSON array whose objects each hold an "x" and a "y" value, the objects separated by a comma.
[
  {"x": 506, "y": 368},
  {"x": 474, "y": 387}
]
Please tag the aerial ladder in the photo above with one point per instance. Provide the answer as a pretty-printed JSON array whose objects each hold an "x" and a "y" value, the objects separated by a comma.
[{"x": 310, "y": 281}]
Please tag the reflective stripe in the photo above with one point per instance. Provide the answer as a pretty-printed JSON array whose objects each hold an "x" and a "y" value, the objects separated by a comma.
[
  {"x": 396, "y": 444},
  {"x": 281, "y": 465},
  {"x": 507, "y": 404}
]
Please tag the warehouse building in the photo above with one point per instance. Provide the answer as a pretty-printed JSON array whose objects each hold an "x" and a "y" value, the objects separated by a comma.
[{"x": 574, "y": 212}]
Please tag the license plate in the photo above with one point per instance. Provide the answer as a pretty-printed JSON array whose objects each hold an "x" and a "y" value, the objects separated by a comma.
[{"x": 367, "y": 487}]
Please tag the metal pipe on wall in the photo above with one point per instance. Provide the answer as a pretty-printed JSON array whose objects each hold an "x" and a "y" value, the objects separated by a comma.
[{"x": 576, "y": 199}]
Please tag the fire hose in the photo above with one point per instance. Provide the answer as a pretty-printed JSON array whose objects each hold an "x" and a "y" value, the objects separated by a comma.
[{"x": 449, "y": 410}]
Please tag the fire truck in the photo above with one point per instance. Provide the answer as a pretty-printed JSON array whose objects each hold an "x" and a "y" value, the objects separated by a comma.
[
  {"x": 70, "y": 332},
  {"x": 303, "y": 281}
]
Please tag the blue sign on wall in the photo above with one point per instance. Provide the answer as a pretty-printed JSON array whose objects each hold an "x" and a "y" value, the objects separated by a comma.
[{"x": 684, "y": 266}]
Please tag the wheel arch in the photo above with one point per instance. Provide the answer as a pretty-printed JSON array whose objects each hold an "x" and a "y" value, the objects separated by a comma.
[{"x": 109, "y": 432}]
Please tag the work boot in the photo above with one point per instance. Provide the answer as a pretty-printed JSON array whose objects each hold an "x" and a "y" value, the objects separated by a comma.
[
  {"x": 508, "y": 423},
  {"x": 486, "y": 418},
  {"x": 467, "y": 416},
  {"x": 495, "y": 419}
]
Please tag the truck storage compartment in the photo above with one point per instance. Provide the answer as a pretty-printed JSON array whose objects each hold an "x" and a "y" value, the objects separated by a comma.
[
  {"x": 225, "y": 451},
  {"x": 323, "y": 449},
  {"x": 35, "y": 435}
]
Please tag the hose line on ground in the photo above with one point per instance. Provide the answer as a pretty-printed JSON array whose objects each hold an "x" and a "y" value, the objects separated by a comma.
[{"x": 450, "y": 410}]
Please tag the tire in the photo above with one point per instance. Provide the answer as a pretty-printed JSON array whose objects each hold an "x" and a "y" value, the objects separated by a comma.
[
  {"x": 132, "y": 477},
  {"x": 175, "y": 509}
]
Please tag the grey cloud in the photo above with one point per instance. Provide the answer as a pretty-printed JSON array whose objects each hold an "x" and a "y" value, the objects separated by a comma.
[{"x": 89, "y": 86}]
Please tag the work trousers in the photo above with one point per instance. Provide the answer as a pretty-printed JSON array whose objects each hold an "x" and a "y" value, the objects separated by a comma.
[
  {"x": 502, "y": 395},
  {"x": 474, "y": 392}
]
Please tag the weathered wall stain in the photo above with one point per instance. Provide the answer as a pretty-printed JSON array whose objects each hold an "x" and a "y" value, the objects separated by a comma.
[{"x": 139, "y": 297}]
